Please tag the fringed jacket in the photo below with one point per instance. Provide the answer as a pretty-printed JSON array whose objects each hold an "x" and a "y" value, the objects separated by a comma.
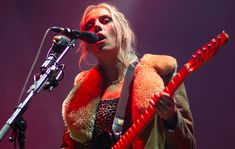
[{"x": 151, "y": 75}]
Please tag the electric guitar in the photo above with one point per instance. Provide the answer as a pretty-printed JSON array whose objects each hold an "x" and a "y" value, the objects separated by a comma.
[{"x": 201, "y": 56}]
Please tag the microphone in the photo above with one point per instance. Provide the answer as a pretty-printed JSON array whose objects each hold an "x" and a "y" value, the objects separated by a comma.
[{"x": 74, "y": 34}]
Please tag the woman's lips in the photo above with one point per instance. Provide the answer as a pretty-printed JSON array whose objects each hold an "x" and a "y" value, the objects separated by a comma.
[
  {"x": 100, "y": 43},
  {"x": 101, "y": 37}
]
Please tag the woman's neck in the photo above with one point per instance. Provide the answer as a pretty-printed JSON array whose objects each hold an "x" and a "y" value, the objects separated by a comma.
[{"x": 113, "y": 71}]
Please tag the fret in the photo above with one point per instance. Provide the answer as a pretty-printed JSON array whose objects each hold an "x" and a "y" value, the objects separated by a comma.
[
  {"x": 176, "y": 81},
  {"x": 146, "y": 114},
  {"x": 141, "y": 117},
  {"x": 121, "y": 143},
  {"x": 138, "y": 122},
  {"x": 124, "y": 139},
  {"x": 127, "y": 134},
  {"x": 133, "y": 131},
  {"x": 179, "y": 75},
  {"x": 150, "y": 112},
  {"x": 124, "y": 142},
  {"x": 134, "y": 126},
  {"x": 118, "y": 144}
]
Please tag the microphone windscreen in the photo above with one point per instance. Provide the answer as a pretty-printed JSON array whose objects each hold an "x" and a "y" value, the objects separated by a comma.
[{"x": 88, "y": 37}]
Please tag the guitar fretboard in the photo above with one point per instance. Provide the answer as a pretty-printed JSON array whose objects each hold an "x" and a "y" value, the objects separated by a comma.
[
  {"x": 201, "y": 56},
  {"x": 145, "y": 118}
]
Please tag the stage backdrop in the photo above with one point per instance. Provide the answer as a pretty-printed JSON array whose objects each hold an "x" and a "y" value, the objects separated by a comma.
[{"x": 174, "y": 28}]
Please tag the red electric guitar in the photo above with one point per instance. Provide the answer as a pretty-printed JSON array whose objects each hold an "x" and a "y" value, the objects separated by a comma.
[{"x": 201, "y": 56}]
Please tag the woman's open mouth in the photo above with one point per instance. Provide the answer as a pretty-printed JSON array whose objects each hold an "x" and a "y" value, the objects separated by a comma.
[{"x": 101, "y": 37}]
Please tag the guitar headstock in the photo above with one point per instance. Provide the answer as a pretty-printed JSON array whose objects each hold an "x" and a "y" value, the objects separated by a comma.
[{"x": 206, "y": 52}]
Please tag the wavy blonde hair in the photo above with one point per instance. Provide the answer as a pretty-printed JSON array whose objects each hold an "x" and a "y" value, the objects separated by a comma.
[{"x": 127, "y": 54}]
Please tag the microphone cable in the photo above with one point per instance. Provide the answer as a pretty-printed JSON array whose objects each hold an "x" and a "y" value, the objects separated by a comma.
[{"x": 33, "y": 65}]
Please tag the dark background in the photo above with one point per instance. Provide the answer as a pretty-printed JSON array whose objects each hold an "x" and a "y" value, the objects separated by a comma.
[{"x": 174, "y": 28}]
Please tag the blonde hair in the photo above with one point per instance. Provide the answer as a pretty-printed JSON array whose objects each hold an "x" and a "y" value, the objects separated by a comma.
[{"x": 127, "y": 54}]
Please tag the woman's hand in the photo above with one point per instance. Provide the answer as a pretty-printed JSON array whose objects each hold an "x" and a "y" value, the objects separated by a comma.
[{"x": 166, "y": 108}]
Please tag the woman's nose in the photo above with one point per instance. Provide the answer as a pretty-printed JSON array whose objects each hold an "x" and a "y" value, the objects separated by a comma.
[{"x": 97, "y": 27}]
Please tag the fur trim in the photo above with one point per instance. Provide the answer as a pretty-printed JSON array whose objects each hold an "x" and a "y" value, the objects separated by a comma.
[
  {"x": 80, "y": 106},
  {"x": 149, "y": 78},
  {"x": 81, "y": 127},
  {"x": 149, "y": 75}
]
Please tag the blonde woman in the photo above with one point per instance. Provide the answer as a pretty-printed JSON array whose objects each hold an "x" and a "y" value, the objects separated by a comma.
[{"x": 89, "y": 109}]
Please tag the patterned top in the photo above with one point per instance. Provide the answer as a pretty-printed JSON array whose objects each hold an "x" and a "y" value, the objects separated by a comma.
[{"x": 104, "y": 118}]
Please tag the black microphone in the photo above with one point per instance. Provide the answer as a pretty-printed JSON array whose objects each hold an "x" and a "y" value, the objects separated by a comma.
[{"x": 74, "y": 34}]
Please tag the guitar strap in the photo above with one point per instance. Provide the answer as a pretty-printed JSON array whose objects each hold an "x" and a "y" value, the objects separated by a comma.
[{"x": 118, "y": 121}]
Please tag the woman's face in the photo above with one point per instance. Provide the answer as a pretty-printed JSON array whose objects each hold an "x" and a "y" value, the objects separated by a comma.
[{"x": 99, "y": 21}]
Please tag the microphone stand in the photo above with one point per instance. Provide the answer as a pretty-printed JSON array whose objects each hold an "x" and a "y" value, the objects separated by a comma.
[{"x": 47, "y": 80}]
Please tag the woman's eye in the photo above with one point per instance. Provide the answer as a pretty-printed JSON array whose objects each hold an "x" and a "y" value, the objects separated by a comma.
[
  {"x": 105, "y": 20},
  {"x": 89, "y": 25}
]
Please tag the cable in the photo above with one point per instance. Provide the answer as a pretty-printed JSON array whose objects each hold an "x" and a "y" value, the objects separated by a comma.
[{"x": 33, "y": 65}]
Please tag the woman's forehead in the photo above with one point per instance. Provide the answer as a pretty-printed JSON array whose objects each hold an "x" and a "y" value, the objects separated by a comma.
[{"x": 97, "y": 12}]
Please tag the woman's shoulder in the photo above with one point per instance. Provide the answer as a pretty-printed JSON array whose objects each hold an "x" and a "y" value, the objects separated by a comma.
[
  {"x": 154, "y": 58},
  {"x": 86, "y": 74},
  {"x": 163, "y": 63}
]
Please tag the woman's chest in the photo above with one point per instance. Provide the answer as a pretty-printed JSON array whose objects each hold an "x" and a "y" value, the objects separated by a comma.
[{"x": 113, "y": 91}]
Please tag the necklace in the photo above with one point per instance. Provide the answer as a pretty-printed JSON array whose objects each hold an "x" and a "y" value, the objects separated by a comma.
[{"x": 117, "y": 81}]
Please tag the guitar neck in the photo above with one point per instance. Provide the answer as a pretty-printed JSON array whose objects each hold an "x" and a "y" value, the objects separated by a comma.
[
  {"x": 135, "y": 129},
  {"x": 201, "y": 56},
  {"x": 145, "y": 118},
  {"x": 177, "y": 80}
]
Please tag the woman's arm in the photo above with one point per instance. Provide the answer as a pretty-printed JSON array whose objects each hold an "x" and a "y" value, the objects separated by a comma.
[{"x": 179, "y": 133}]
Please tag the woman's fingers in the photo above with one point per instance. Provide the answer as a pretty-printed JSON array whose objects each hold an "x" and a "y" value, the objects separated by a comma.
[{"x": 165, "y": 105}]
